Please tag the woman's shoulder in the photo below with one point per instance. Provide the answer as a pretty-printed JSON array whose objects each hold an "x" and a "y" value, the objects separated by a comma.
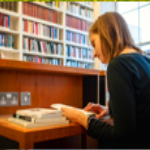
[
  {"x": 127, "y": 58},
  {"x": 129, "y": 62}
]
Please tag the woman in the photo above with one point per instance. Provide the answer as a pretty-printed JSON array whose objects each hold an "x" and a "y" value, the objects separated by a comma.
[{"x": 128, "y": 76}]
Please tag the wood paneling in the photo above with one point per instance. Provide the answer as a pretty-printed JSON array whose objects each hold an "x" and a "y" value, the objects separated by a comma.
[
  {"x": 37, "y": 67},
  {"x": 48, "y": 84},
  {"x": 27, "y": 137},
  {"x": 102, "y": 73},
  {"x": 45, "y": 88}
]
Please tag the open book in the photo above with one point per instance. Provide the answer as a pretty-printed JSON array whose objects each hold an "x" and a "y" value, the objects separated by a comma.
[{"x": 59, "y": 106}]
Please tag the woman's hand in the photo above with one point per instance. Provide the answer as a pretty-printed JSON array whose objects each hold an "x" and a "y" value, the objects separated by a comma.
[
  {"x": 100, "y": 110},
  {"x": 75, "y": 115}
]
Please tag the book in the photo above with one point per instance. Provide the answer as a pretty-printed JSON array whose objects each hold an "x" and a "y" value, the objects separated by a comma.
[
  {"x": 39, "y": 120},
  {"x": 39, "y": 112},
  {"x": 59, "y": 106},
  {"x": 28, "y": 124}
]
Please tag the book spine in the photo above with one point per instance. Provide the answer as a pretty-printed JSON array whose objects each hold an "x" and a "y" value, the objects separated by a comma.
[{"x": 26, "y": 118}]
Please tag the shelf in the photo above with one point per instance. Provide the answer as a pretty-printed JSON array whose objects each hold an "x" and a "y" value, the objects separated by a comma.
[
  {"x": 77, "y": 31},
  {"x": 34, "y": 67},
  {"x": 47, "y": 6},
  {"x": 102, "y": 73},
  {"x": 80, "y": 17},
  {"x": 42, "y": 21},
  {"x": 8, "y": 30},
  {"x": 10, "y": 13},
  {"x": 5, "y": 49},
  {"x": 79, "y": 3},
  {"x": 78, "y": 45},
  {"x": 43, "y": 55},
  {"x": 42, "y": 38},
  {"x": 81, "y": 60}
]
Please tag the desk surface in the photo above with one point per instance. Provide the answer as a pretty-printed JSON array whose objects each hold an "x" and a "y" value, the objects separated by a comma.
[{"x": 27, "y": 137}]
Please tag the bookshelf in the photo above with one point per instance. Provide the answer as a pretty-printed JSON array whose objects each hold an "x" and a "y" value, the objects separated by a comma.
[
  {"x": 48, "y": 84},
  {"x": 40, "y": 31}
]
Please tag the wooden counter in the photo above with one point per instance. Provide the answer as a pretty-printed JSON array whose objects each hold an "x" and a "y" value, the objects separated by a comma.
[
  {"x": 27, "y": 137},
  {"x": 47, "y": 84}
]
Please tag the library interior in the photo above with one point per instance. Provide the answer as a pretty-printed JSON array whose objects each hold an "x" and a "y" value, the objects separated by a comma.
[{"x": 47, "y": 63}]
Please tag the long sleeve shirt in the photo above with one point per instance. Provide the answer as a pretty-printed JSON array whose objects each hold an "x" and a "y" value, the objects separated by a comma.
[{"x": 128, "y": 78}]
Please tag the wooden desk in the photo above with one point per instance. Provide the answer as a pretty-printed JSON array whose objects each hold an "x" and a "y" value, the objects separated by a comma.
[
  {"x": 47, "y": 84},
  {"x": 27, "y": 137}
]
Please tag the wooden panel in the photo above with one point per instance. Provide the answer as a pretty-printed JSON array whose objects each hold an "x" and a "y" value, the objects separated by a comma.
[
  {"x": 45, "y": 88},
  {"x": 102, "y": 73},
  {"x": 90, "y": 89},
  {"x": 102, "y": 90},
  {"x": 35, "y": 67},
  {"x": 8, "y": 144},
  {"x": 73, "y": 142},
  {"x": 27, "y": 137}
]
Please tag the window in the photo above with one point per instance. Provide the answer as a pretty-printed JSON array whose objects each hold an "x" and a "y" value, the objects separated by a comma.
[{"x": 137, "y": 16}]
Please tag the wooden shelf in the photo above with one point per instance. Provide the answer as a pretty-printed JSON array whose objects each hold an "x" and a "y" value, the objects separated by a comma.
[
  {"x": 52, "y": 132},
  {"x": 79, "y": 16},
  {"x": 29, "y": 66},
  {"x": 102, "y": 73},
  {"x": 42, "y": 38},
  {"x": 43, "y": 55}
]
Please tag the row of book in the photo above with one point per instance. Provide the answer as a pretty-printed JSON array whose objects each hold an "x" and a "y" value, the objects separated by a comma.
[
  {"x": 76, "y": 52},
  {"x": 55, "y": 4},
  {"x": 77, "y": 38},
  {"x": 6, "y": 40},
  {"x": 9, "y": 5},
  {"x": 4, "y": 20},
  {"x": 39, "y": 12},
  {"x": 79, "y": 10},
  {"x": 33, "y": 45},
  {"x": 76, "y": 23},
  {"x": 36, "y": 59},
  {"x": 71, "y": 63},
  {"x": 40, "y": 29},
  {"x": 38, "y": 117}
]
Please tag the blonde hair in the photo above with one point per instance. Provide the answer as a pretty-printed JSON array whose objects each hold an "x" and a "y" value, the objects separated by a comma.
[{"x": 114, "y": 34}]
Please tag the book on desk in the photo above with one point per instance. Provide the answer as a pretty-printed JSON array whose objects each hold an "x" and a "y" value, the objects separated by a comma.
[{"x": 37, "y": 117}]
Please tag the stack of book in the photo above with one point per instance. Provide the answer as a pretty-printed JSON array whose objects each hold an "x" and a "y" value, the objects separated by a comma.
[{"x": 38, "y": 117}]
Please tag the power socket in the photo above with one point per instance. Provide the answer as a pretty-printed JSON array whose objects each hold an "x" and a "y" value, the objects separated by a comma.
[
  {"x": 8, "y": 99},
  {"x": 25, "y": 98}
]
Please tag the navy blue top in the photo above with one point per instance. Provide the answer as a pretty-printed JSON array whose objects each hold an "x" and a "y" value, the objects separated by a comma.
[{"x": 128, "y": 78}]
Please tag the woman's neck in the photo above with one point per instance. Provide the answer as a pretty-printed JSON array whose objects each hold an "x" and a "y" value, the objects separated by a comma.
[{"x": 128, "y": 50}]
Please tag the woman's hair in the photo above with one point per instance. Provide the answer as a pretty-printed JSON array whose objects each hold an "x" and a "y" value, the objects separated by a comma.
[{"x": 114, "y": 34}]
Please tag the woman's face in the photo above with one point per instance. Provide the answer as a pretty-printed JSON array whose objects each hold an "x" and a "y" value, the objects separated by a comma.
[{"x": 96, "y": 43}]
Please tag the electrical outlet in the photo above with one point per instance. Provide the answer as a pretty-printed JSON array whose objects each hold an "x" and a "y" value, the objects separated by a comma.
[
  {"x": 8, "y": 99},
  {"x": 25, "y": 98}
]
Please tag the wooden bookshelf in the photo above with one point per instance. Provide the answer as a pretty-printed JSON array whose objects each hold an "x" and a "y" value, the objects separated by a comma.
[
  {"x": 47, "y": 84},
  {"x": 16, "y": 29}
]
